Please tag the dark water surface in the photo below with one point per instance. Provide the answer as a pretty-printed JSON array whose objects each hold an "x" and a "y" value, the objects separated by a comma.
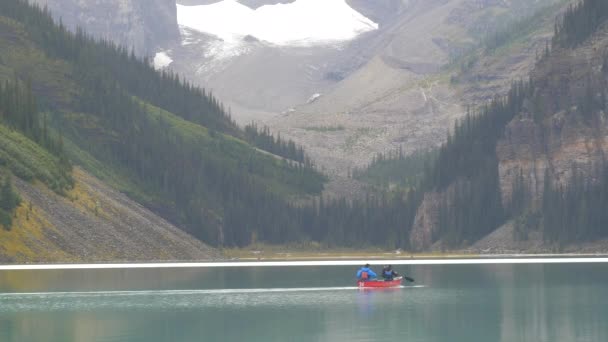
[{"x": 468, "y": 303}]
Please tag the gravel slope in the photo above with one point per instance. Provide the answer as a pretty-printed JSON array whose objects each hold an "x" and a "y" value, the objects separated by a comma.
[{"x": 96, "y": 223}]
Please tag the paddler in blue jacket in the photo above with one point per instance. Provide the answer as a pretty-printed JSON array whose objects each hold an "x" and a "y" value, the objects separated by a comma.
[{"x": 366, "y": 273}]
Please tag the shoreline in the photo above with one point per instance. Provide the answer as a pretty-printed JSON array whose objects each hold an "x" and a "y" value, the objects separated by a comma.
[{"x": 443, "y": 260}]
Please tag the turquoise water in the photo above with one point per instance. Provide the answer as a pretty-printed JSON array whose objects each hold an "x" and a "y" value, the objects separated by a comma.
[{"x": 557, "y": 302}]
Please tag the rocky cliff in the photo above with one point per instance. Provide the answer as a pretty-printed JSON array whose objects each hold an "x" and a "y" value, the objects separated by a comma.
[
  {"x": 143, "y": 25},
  {"x": 563, "y": 141},
  {"x": 551, "y": 137}
]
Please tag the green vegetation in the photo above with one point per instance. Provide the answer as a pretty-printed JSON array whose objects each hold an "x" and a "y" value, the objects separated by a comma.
[
  {"x": 570, "y": 214},
  {"x": 580, "y": 21},
  {"x": 29, "y": 148},
  {"x": 336, "y": 128},
  {"x": 576, "y": 212},
  {"x": 9, "y": 200},
  {"x": 516, "y": 30},
  {"x": 171, "y": 146},
  {"x": 396, "y": 168},
  {"x": 266, "y": 141},
  {"x": 466, "y": 169},
  {"x": 27, "y": 160},
  {"x": 506, "y": 32},
  {"x": 384, "y": 220},
  {"x": 165, "y": 142},
  {"x": 468, "y": 162}
]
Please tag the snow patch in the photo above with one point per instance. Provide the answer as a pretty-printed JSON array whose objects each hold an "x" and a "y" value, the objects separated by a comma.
[
  {"x": 186, "y": 36},
  {"x": 314, "y": 98},
  {"x": 288, "y": 111},
  {"x": 162, "y": 60},
  {"x": 301, "y": 23}
]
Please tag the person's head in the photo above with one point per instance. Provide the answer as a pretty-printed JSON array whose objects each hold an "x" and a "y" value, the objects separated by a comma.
[
  {"x": 366, "y": 265},
  {"x": 389, "y": 267}
]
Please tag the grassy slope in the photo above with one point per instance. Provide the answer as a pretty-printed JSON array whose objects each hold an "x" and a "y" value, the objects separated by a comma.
[
  {"x": 53, "y": 81},
  {"x": 232, "y": 148},
  {"x": 29, "y": 161},
  {"x": 29, "y": 237},
  {"x": 28, "y": 240}
]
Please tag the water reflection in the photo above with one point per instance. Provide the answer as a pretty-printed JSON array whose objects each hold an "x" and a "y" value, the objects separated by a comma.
[{"x": 458, "y": 303}]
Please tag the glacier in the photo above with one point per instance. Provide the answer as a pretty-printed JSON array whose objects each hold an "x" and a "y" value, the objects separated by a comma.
[{"x": 302, "y": 23}]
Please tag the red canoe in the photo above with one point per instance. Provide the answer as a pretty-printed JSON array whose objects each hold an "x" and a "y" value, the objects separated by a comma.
[{"x": 380, "y": 283}]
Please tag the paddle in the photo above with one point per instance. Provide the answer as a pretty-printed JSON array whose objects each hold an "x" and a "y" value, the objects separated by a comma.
[{"x": 411, "y": 280}]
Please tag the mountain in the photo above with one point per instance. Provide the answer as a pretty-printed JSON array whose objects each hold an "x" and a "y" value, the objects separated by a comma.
[
  {"x": 534, "y": 161},
  {"x": 400, "y": 94},
  {"x": 386, "y": 87},
  {"x": 142, "y": 25},
  {"x": 346, "y": 101},
  {"x": 522, "y": 168},
  {"x": 69, "y": 99}
]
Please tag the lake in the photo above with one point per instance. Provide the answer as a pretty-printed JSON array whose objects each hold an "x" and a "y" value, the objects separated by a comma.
[{"x": 489, "y": 302}]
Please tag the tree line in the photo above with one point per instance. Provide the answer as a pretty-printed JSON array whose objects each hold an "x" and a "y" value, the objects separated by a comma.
[
  {"x": 196, "y": 173},
  {"x": 579, "y": 22},
  {"x": 9, "y": 200},
  {"x": 19, "y": 110},
  {"x": 265, "y": 140},
  {"x": 207, "y": 183},
  {"x": 232, "y": 198},
  {"x": 163, "y": 89},
  {"x": 219, "y": 188},
  {"x": 397, "y": 168},
  {"x": 468, "y": 165},
  {"x": 576, "y": 212}
]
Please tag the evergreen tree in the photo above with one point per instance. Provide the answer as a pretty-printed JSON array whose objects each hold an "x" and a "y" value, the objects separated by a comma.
[
  {"x": 9, "y": 200},
  {"x": 580, "y": 21}
]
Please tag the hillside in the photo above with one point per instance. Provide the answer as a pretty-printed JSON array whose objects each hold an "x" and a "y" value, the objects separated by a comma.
[
  {"x": 525, "y": 160},
  {"x": 534, "y": 160},
  {"x": 476, "y": 75},
  {"x": 166, "y": 144},
  {"x": 92, "y": 223},
  {"x": 524, "y": 171},
  {"x": 405, "y": 95}
]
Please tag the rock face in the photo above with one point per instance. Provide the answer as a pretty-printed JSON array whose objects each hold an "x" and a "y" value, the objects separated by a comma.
[
  {"x": 425, "y": 232},
  {"x": 563, "y": 142},
  {"x": 557, "y": 148},
  {"x": 143, "y": 25},
  {"x": 556, "y": 144},
  {"x": 426, "y": 222}
]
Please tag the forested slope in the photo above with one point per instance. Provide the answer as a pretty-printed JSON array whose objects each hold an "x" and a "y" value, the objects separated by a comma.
[
  {"x": 67, "y": 99},
  {"x": 535, "y": 158}
]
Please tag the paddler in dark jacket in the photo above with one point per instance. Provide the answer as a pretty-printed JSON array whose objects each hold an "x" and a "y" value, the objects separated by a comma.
[
  {"x": 388, "y": 274},
  {"x": 366, "y": 273}
]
